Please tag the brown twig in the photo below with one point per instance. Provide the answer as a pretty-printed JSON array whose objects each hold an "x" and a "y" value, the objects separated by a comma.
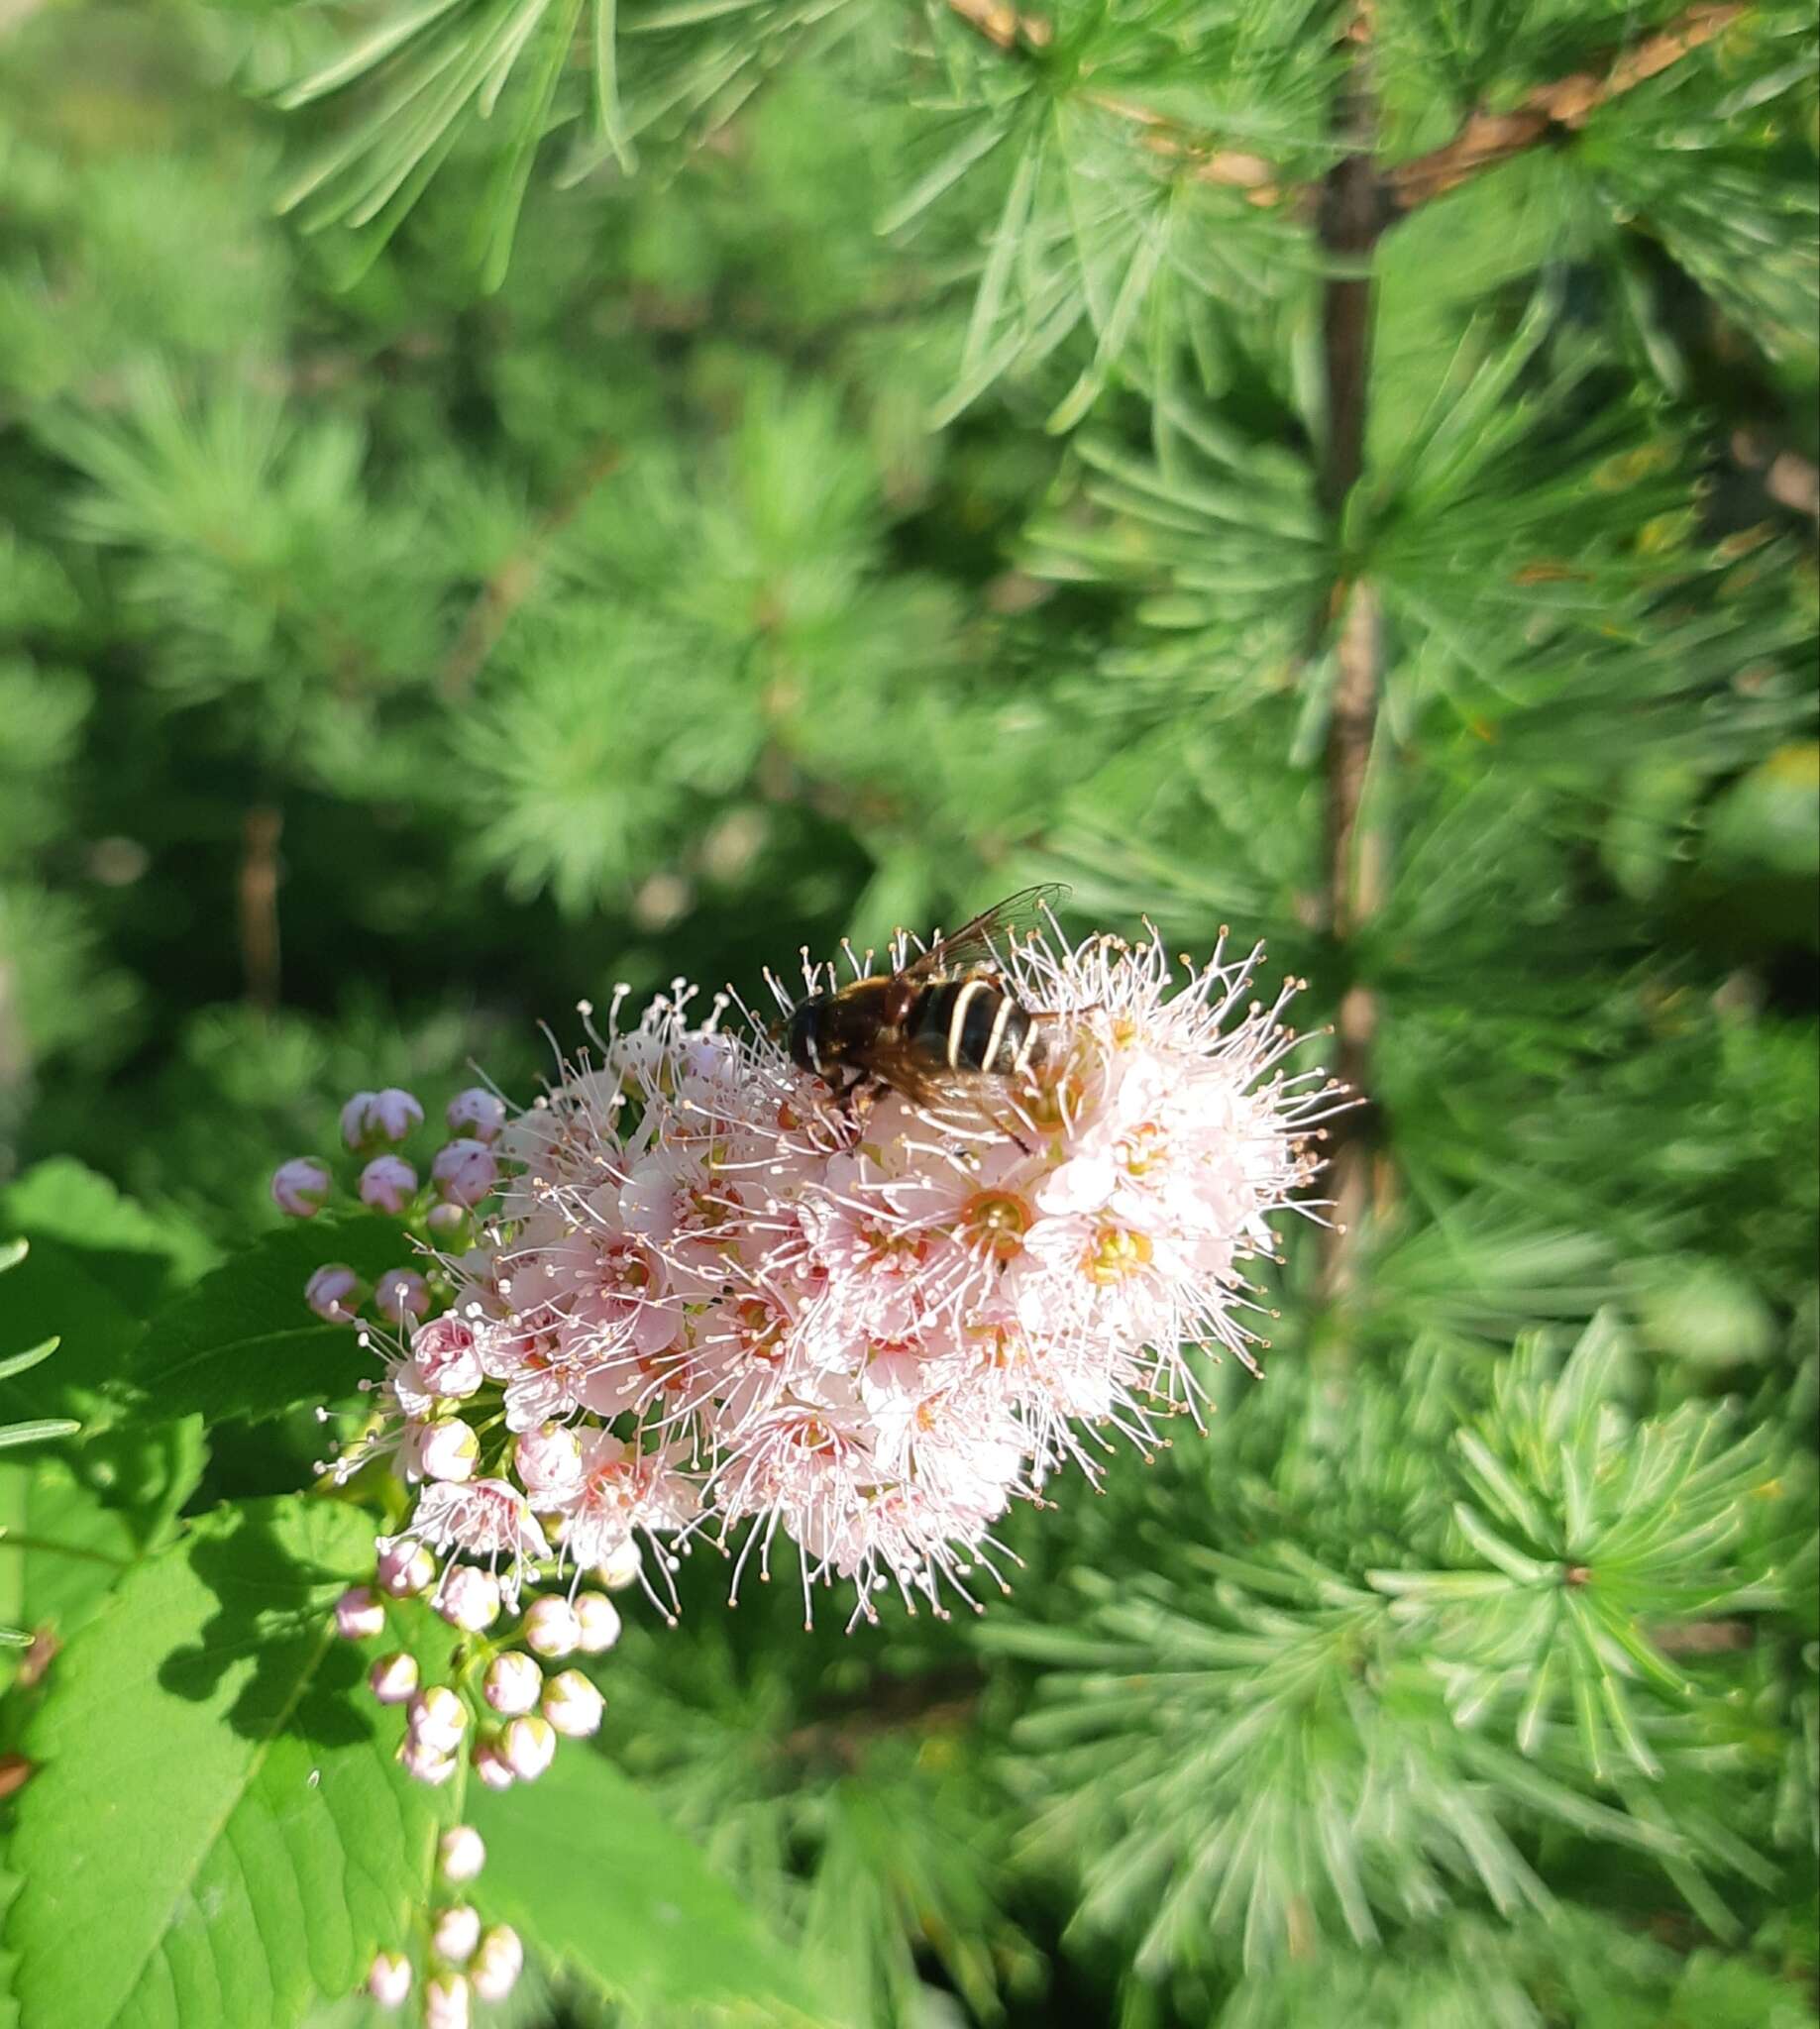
[
  {"x": 1351, "y": 220},
  {"x": 1003, "y": 26},
  {"x": 1485, "y": 138},
  {"x": 517, "y": 577},
  {"x": 1553, "y": 111},
  {"x": 259, "y": 904},
  {"x": 1007, "y": 28}
]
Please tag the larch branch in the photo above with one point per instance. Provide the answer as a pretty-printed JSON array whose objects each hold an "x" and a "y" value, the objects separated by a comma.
[
  {"x": 1485, "y": 140},
  {"x": 1553, "y": 110}
]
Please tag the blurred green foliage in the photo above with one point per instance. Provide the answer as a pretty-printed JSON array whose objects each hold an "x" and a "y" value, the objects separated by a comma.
[{"x": 415, "y": 616}]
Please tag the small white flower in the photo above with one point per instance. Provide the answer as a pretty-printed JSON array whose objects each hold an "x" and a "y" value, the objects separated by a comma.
[
  {"x": 387, "y": 1184},
  {"x": 443, "y": 1360},
  {"x": 301, "y": 1188},
  {"x": 548, "y": 1461},
  {"x": 388, "y": 1978},
  {"x": 446, "y": 2003},
  {"x": 371, "y": 1119},
  {"x": 404, "y": 1567},
  {"x": 464, "y": 1171},
  {"x": 448, "y": 1450},
  {"x": 478, "y": 1113},
  {"x": 620, "y": 1567},
  {"x": 394, "y": 1678},
  {"x": 598, "y": 1619},
  {"x": 528, "y": 1746},
  {"x": 335, "y": 1293},
  {"x": 424, "y": 1761},
  {"x": 551, "y": 1627},
  {"x": 498, "y": 1962},
  {"x": 461, "y": 1852},
  {"x": 513, "y": 1683},
  {"x": 358, "y": 1615},
  {"x": 439, "y": 1718},
  {"x": 490, "y": 1765},
  {"x": 455, "y": 1933},
  {"x": 573, "y": 1705},
  {"x": 468, "y": 1598}
]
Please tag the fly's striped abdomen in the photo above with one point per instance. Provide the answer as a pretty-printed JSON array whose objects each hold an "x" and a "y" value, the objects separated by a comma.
[{"x": 971, "y": 1024}]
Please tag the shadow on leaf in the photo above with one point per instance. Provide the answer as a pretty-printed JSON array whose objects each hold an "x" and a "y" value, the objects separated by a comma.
[{"x": 273, "y": 1634}]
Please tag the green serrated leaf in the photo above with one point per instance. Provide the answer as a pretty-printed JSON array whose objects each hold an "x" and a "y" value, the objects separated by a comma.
[
  {"x": 587, "y": 1869},
  {"x": 243, "y": 1343},
  {"x": 217, "y": 1833}
]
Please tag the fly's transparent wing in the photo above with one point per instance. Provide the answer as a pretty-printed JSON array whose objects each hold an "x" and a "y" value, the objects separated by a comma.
[{"x": 985, "y": 940}]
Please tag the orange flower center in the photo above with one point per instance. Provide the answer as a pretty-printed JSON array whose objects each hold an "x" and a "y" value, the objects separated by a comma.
[
  {"x": 761, "y": 1328},
  {"x": 997, "y": 1221}
]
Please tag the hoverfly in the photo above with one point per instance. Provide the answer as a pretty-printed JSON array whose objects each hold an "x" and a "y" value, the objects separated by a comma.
[{"x": 938, "y": 1027}]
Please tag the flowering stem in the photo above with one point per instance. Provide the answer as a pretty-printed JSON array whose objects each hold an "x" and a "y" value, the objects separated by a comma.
[{"x": 1352, "y": 218}]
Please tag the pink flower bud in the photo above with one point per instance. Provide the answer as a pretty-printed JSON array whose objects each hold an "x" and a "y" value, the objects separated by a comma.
[
  {"x": 353, "y": 1119},
  {"x": 621, "y": 1564},
  {"x": 388, "y": 1978},
  {"x": 358, "y": 1615},
  {"x": 527, "y": 1746},
  {"x": 456, "y": 1933},
  {"x": 477, "y": 1113},
  {"x": 490, "y": 1765},
  {"x": 465, "y": 1171},
  {"x": 548, "y": 1461},
  {"x": 424, "y": 1762},
  {"x": 439, "y": 1718},
  {"x": 299, "y": 1189},
  {"x": 461, "y": 1854},
  {"x": 443, "y": 1218},
  {"x": 404, "y": 1567},
  {"x": 551, "y": 1628},
  {"x": 468, "y": 1598},
  {"x": 387, "y": 1184},
  {"x": 599, "y": 1622},
  {"x": 394, "y": 1678},
  {"x": 335, "y": 1293},
  {"x": 498, "y": 1962},
  {"x": 445, "y": 2002},
  {"x": 402, "y": 1293},
  {"x": 513, "y": 1683},
  {"x": 573, "y": 1705},
  {"x": 444, "y": 1359},
  {"x": 372, "y": 1119},
  {"x": 448, "y": 1450}
]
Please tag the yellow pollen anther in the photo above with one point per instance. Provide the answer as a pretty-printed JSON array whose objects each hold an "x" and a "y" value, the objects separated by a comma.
[
  {"x": 1144, "y": 1149},
  {"x": 1117, "y": 1252}
]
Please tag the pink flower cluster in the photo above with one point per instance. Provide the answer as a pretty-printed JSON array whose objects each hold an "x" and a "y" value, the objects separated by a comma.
[{"x": 716, "y": 1298}]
